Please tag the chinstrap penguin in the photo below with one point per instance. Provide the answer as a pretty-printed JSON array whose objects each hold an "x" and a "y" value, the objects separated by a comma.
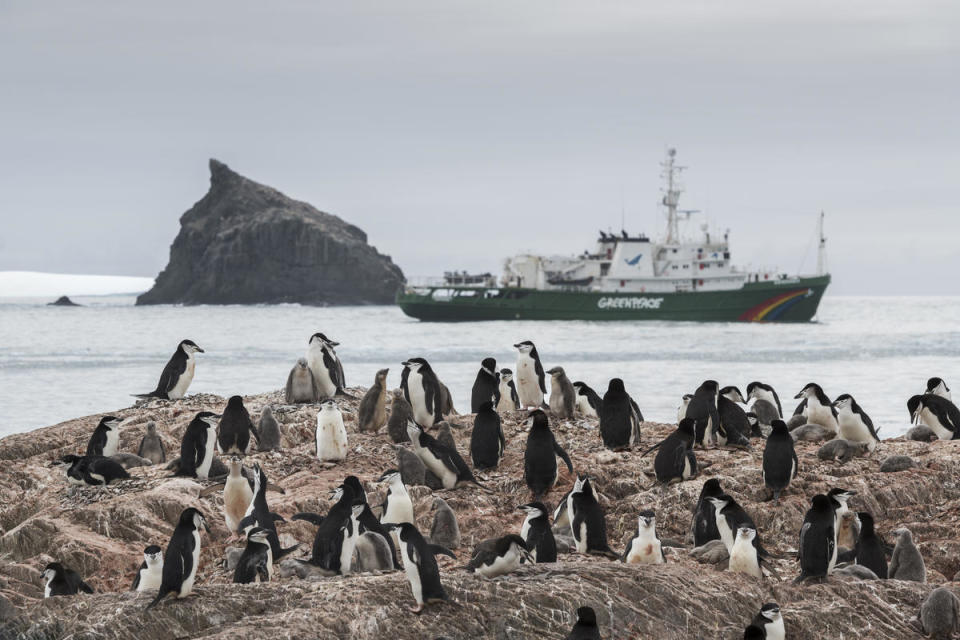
[
  {"x": 530, "y": 380},
  {"x": 770, "y": 619},
  {"x": 197, "y": 446},
  {"x": 445, "y": 462},
  {"x": 780, "y": 463},
  {"x": 540, "y": 469},
  {"x": 421, "y": 388},
  {"x": 331, "y": 434},
  {"x": 703, "y": 411},
  {"x": 509, "y": 400},
  {"x": 62, "y": 581},
  {"x": 326, "y": 366},
  {"x": 588, "y": 522},
  {"x": 853, "y": 422},
  {"x": 936, "y": 412},
  {"x": 486, "y": 387},
  {"x": 93, "y": 470},
  {"x": 105, "y": 437},
  {"x": 588, "y": 401},
  {"x": 675, "y": 460},
  {"x": 182, "y": 557},
  {"x": 817, "y": 551},
  {"x": 585, "y": 627},
  {"x": 256, "y": 562},
  {"x": 177, "y": 375},
  {"x": 704, "y": 515},
  {"x": 486, "y": 440},
  {"x": 150, "y": 573},
  {"x": 644, "y": 547},
  {"x": 617, "y": 429},
  {"x": 744, "y": 555},
  {"x": 235, "y": 427},
  {"x": 420, "y": 566},
  {"x": 537, "y": 533},
  {"x": 499, "y": 556},
  {"x": 817, "y": 408}
]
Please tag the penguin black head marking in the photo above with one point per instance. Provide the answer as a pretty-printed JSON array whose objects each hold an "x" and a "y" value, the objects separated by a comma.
[
  {"x": 415, "y": 364},
  {"x": 647, "y": 518},
  {"x": 524, "y": 347},
  {"x": 733, "y": 393},
  {"x": 258, "y": 535},
  {"x": 389, "y": 475},
  {"x": 934, "y": 383},
  {"x": 841, "y": 495},
  {"x": 779, "y": 426},
  {"x": 506, "y": 374},
  {"x": 687, "y": 426},
  {"x": 586, "y": 616},
  {"x": 844, "y": 400},
  {"x": 322, "y": 339},
  {"x": 533, "y": 509},
  {"x": 810, "y": 390},
  {"x": 152, "y": 554},
  {"x": 537, "y": 418},
  {"x": 209, "y": 417},
  {"x": 189, "y": 346},
  {"x": 110, "y": 422},
  {"x": 489, "y": 365},
  {"x": 52, "y": 570},
  {"x": 192, "y": 517},
  {"x": 770, "y": 611}
]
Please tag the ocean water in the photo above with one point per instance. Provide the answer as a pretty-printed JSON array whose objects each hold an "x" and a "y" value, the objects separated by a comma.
[{"x": 59, "y": 363}]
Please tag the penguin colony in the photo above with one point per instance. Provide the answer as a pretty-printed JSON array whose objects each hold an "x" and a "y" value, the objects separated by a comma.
[{"x": 352, "y": 535}]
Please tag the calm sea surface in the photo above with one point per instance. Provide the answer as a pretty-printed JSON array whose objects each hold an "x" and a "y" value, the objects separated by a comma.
[{"x": 58, "y": 363}]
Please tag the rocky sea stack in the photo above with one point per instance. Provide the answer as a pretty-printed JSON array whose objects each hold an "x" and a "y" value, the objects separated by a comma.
[{"x": 246, "y": 243}]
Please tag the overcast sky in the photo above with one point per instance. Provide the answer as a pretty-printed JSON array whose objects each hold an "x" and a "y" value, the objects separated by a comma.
[{"x": 457, "y": 133}]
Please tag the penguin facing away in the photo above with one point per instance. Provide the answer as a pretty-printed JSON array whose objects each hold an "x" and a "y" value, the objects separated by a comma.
[
  {"x": 588, "y": 402},
  {"x": 62, "y": 581},
  {"x": 326, "y": 366},
  {"x": 486, "y": 440},
  {"x": 177, "y": 375},
  {"x": 372, "y": 414},
  {"x": 420, "y": 566},
  {"x": 675, "y": 460},
  {"x": 301, "y": 385},
  {"x": 331, "y": 434},
  {"x": 940, "y": 614},
  {"x": 400, "y": 414},
  {"x": 421, "y": 388},
  {"x": 586, "y": 626},
  {"x": 105, "y": 438},
  {"x": 704, "y": 516},
  {"x": 817, "y": 540},
  {"x": 770, "y": 620},
  {"x": 181, "y": 560},
  {"x": 780, "y": 463},
  {"x": 444, "y": 531},
  {"x": 540, "y": 470},
  {"x": 537, "y": 533},
  {"x": 870, "y": 550},
  {"x": 530, "y": 376},
  {"x": 616, "y": 417},
  {"x": 644, "y": 547},
  {"x": 256, "y": 563},
  {"x": 509, "y": 400},
  {"x": 563, "y": 397},
  {"x": 486, "y": 387},
  {"x": 853, "y": 422},
  {"x": 703, "y": 411},
  {"x": 151, "y": 446},
  {"x": 150, "y": 573},
  {"x": 588, "y": 522},
  {"x": 235, "y": 428}
]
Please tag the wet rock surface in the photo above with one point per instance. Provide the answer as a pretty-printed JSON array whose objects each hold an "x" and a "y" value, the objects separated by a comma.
[{"x": 101, "y": 533}]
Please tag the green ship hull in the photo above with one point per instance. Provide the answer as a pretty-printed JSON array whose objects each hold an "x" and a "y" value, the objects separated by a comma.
[{"x": 789, "y": 300}]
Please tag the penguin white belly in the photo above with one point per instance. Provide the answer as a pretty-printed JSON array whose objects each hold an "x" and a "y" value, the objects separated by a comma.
[
  {"x": 331, "y": 437},
  {"x": 418, "y": 400},
  {"x": 645, "y": 551},
  {"x": 556, "y": 398},
  {"x": 346, "y": 551},
  {"x": 186, "y": 586},
  {"x": 447, "y": 477},
  {"x": 413, "y": 575},
  {"x": 583, "y": 406},
  {"x": 237, "y": 497},
  {"x": 46, "y": 589},
  {"x": 113, "y": 441},
  {"x": 399, "y": 509},
  {"x": 506, "y": 400},
  {"x": 931, "y": 420},
  {"x": 150, "y": 578},
  {"x": 821, "y": 415},
  {"x": 320, "y": 373},
  {"x": 687, "y": 470},
  {"x": 501, "y": 565},
  {"x": 203, "y": 469},
  {"x": 726, "y": 535},
  {"x": 853, "y": 428},
  {"x": 183, "y": 382},
  {"x": 776, "y": 630},
  {"x": 269, "y": 563},
  {"x": 528, "y": 382},
  {"x": 582, "y": 542},
  {"x": 743, "y": 559}
]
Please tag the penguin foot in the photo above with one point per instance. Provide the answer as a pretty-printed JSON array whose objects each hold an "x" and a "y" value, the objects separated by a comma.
[{"x": 417, "y": 610}]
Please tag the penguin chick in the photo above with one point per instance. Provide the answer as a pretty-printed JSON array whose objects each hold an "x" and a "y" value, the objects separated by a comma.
[
  {"x": 644, "y": 547},
  {"x": 372, "y": 414},
  {"x": 269, "y": 430},
  {"x": 301, "y": 385},
  {"x": 445, "y": 531},
  {"x": 400, "y": 415},
  {"x": 940, "y": 614},
  {"x": 563, "y": 397},
  {"x": 907, "y": 562},
  {"x": 151, "y": 446},
  {"x": 499, "y": 556}
]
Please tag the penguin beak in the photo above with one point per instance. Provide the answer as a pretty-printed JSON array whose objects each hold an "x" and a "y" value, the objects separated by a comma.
[
  {"x": 199, "y": 350},
  {"x": 798, "y": 396},
  {"x": 206, "y": 527},
  {"x": 405, "y": 363}
]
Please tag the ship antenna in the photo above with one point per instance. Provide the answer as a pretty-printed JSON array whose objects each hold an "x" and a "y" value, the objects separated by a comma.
[
  {"x": 821, "y": 250},
  {"x": 671, "y": 196}
]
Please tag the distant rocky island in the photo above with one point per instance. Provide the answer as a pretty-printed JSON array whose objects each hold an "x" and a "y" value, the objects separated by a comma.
[
  {"x": 247, "y": 243},
  {"x": 63, "y": 301}
]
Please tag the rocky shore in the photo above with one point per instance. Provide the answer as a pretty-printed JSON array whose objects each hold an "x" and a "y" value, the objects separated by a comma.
[{"x": 101, "y": 533}]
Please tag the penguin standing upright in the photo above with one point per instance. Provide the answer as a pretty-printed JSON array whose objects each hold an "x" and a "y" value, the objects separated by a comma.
[
  {"x": 256, "y": 562},
  {"x": 703, "y": 411},
  {"x": 906, "y": 561},
  {"x": 530, "y": 376},
  {"x": 237, "y": 496},
  {"x": 938, "y": 387},
  {"x": 853, "y": 422},
  {"x": 586, "y": 626},
  {"x": 420, "y": 565},
  {"x": 421, "y": 388},
  {"x": 766, "y": 402},
  {"x": 301, "y": 385},
  {"x": 326, "y": 366},
  {"x": 366, "y": 519},
  {"x": 150, "y": 573},
  {"x": 870, "y": 550},
  {"x": 644, "y": 547},
  {"x": 780, "y": 463},
  {"x": 744, "y": 555},
  {"x": 817, "y": 539},
  {"x": 486, "y": 387},
  {"x": 563, "y": 397},
  {"x": 817, "y": 408},
  {"x": 259, "y": 514},
  {"x": 397, "y": 506},
  {"x": 540, "y": 469},
  {"x": 704, "y": 515},
  {"x": 938, "y": 413},
  {"x": 177, "y": 375},
  {"x": 730, "y": 517},
  {"x": 734, "y": 425},
  {"x": 588, "y": 523},
  {"x": 588, "y": 402},
  {"x": 400, "y": 414},
  {"x": 682, "y": 407},
  {"x": 372, "y": 413},
  {"x": 331, "y": 434},
  {"x": 445, "y": 530},
  {"x": 235, "y": 428},
  {"x": 616, "y": 417},
  {"x": 151, "y": 446},
  {"x": 332, "y": 531},
  {"x": 486, "y": 440},
  {"x": 62, "y": 581},
  {"x": 537, "y": 534},
  {"x": 182, "y": 558},
  {"x": 269, "y": 430},
  {"x": 105, "y": 437},
  {"x": 509, "y": 400},
  {"x": 675, "y": 460},
  {"x": 196, "y": 448}
]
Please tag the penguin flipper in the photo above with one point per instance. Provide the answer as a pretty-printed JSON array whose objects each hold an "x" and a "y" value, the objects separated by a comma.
[
  {"x": 83, "y": 586},
  {"x": 164, "y": 592},
  {"x": 249, "y": 521},
  {"x": 211, "y": 489},
  {"x": 277, "y": 488},
  {"x": 563, "y": 455},
  {"x": 277, "y": 517},
  {"x": 286, "y": 551},
  {"x": 656, "y": 446},
  {"x": 312, "y": 518},
  {"x": 440, "y": 549}
]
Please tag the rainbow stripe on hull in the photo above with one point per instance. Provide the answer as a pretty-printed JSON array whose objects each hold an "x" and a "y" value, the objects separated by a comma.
[{"x": 770, "y": 310}]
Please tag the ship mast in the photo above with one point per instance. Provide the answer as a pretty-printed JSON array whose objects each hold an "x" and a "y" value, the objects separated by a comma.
[
  {"x": 821, "y": 249},
  {"x": 671, "y": 195}
]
